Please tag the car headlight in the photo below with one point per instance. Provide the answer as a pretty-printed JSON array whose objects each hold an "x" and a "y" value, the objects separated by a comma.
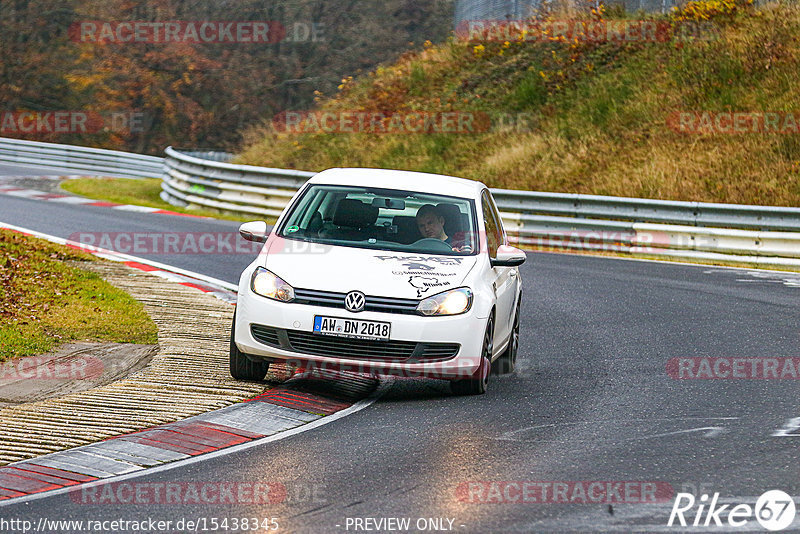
[
  {"x": 268, "y": 284},
  {"x": 450, "y": 302}
]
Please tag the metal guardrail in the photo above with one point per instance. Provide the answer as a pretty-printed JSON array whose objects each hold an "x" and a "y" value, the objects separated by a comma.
[
  {"x": 646, "y": 210},
  {"x": 261, "y": 191},
  {"x": 210, "y": 154},
  {"x": 756, "y": 234},
  {"x": 81, "y": 160}
]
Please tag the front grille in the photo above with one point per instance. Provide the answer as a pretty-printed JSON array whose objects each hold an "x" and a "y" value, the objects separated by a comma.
[
  {"x": 265, "y": 335},
  {"x": 438, "y": 352},
  {"x": 354, "y": 349},
  {"x": 332, "y": 299}
]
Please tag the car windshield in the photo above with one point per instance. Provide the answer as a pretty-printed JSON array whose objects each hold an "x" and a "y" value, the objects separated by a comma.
[{"x": 386, "y": 219}]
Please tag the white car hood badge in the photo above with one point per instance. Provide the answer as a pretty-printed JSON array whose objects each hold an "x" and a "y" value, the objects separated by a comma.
[{"x": 355, "y": 301}]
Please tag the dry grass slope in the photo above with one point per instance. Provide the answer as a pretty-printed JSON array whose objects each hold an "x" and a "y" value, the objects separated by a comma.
[{"x": 598, "y": 112}]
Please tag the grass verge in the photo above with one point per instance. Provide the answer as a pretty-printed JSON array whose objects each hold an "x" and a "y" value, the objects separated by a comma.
[
  {"x": 44, "y": 301},
  {"x": 139, "y": 192}
]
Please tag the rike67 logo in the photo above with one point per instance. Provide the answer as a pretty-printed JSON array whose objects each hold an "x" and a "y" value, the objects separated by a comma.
[{"x": 774, "y": 510}]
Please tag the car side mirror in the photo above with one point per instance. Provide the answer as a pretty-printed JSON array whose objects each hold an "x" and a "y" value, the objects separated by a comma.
[
  {"x": 254, "y": 231},
  {"x": 508, "y": 257}
]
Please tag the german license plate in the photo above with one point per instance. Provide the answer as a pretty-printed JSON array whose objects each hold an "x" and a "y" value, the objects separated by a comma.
[{"x": 352, "y": 328}]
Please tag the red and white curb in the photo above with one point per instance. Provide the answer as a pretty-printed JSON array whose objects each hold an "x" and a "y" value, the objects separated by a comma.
[
  {"x": 33, "y": 194},
  {"x": 302, "y": 403},
  {"x": 213, "y": 288}
]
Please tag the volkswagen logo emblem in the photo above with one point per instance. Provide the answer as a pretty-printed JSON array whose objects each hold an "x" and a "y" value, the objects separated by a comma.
[{"x": 355, "y": 301}]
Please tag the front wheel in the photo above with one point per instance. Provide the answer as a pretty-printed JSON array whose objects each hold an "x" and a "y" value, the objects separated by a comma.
[
  {"x": 242, "y": 367},
  {"x": 507, "y": 362},
  {"x": 477, "y": 383}
]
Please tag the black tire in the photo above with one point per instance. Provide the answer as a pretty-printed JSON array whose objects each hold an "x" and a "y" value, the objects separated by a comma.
[
  {"x": 478, "y": 382},
  {"x": 242, "y": 367},
  {"x": 507, "y": 362}
]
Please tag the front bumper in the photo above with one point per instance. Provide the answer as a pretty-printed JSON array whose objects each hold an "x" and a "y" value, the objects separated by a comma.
[{"x": 465, "y": 330}]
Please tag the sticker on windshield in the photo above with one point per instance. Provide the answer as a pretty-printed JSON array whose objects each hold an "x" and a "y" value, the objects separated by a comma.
[{"x": 292, "y": 229}]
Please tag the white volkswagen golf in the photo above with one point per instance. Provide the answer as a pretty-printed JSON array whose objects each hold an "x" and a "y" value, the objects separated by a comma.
[{"x": 390, "y": 272}]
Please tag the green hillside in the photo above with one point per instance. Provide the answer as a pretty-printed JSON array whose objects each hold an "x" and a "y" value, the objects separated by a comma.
[{"x": 584, "y": 115}]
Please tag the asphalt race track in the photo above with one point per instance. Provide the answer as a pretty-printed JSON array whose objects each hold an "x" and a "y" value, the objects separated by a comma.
[{"x": 592, "y": 400}]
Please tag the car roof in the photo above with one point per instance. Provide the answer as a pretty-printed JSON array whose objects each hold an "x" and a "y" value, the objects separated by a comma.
[{"x": 405, "y": 180}]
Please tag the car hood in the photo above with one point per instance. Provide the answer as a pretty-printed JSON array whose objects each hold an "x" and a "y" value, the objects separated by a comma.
[{"x": 373, "y": 272}]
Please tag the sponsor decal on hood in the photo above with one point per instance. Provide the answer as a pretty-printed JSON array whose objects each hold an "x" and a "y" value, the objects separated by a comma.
[{"x": 373, "y": 272}]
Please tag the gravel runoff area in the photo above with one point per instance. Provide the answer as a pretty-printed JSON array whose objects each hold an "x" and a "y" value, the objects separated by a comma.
[{"x": 188, "y": 376}]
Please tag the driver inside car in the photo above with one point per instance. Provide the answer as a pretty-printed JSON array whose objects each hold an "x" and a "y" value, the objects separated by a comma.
[{"x": 430, "y": 223}]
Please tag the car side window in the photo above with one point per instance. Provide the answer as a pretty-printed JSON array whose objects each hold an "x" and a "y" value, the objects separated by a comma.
[
  {"x": 494, "y": 232},
  {"x": 501, "y": 232}
]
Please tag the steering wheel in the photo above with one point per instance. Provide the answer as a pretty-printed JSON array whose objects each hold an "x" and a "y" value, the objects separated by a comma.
[{"x": 433, "y": 244}]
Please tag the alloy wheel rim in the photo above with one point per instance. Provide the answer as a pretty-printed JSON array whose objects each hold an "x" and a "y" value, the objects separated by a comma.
[
  {"x": 487, "y": 353},
  {"x": 515, "y": 336}
]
